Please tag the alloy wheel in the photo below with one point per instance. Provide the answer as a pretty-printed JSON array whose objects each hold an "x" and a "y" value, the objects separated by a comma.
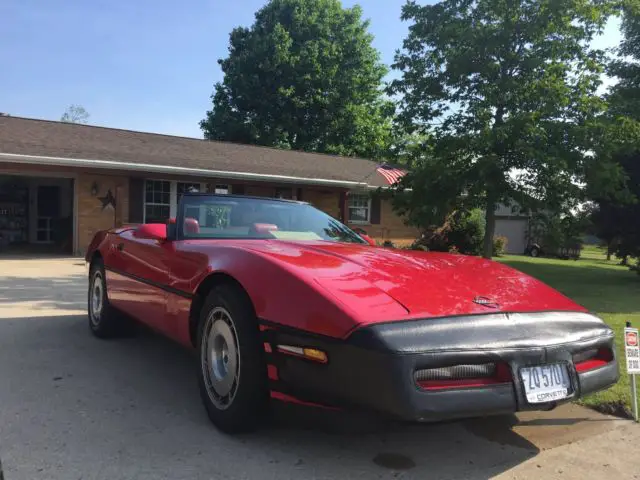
[
  {"x": 220, "y": 358},
  {"x": 96, "y": 301}
]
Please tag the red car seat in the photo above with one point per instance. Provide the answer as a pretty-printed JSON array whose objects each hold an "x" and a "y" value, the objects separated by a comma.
[
  {"x": 191, "y": 226},
  {"x": 262, "y": 229}
]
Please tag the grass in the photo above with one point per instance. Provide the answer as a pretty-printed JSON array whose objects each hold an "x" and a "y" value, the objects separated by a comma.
[{"x": 604, "y": 287}]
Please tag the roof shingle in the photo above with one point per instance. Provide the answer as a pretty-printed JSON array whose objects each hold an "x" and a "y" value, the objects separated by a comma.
[{"x": 24, "y": 136}]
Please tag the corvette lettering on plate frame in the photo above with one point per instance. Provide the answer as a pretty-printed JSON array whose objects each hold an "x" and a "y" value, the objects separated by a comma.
[{"x": 545, "y": 383}]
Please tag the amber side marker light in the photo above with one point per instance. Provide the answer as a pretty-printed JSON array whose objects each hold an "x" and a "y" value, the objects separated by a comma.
[{"x": 308, "y": 353}]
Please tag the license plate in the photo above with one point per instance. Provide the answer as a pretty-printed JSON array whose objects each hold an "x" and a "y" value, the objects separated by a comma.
[{"x": 545, "y": 383}]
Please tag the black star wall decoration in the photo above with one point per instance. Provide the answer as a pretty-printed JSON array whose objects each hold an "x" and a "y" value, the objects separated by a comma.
[{"x": 108, "y": 200}]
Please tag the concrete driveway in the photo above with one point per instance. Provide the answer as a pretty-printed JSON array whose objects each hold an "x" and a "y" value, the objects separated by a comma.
[{"x": 73, "y": 407}]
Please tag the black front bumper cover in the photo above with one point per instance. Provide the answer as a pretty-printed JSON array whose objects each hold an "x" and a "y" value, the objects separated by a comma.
[{"x": 374, "y": 367}]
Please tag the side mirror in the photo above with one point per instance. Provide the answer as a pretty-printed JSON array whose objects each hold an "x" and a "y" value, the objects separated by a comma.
[
  {"x": 368, "y": 239},
  {"x": 152, "y": 231}
]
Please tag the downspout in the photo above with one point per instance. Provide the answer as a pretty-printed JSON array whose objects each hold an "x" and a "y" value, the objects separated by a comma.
[{"x": 343, "y": 206}]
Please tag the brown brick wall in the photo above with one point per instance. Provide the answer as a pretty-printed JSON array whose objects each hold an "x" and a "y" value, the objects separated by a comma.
[
  {"x": 259, "y": 190},
  {"x": 91, "y": 216},
  {"x": 391, "y": 227},
  {"x": 326, "y": 200}
]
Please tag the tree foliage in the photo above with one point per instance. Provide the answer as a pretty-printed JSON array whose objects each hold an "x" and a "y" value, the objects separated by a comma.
[
  {"x": 616, "y": 219},
  {"x": 75, "y": 114},
  {"x": 466, "y": 232},
  {"x": 608, "y": 223},
  {"x": 304, "y": 76},
  {"x": 558, "y": 231},
  {"x": 408, "y": 149},
  {"x": 624, "y": 97},
  {"x": 507, "y": 88},
  {"x": 618, "y": 222}
]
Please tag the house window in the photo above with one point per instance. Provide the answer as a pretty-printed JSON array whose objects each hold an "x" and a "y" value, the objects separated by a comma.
[
  {"x": 221, "y": 189},
  {"x": 157, "y": 201},
  {"x": 359, "y": 208},
  {"x": 186, "y": 187},
  {"x": 161, "y": 198}
]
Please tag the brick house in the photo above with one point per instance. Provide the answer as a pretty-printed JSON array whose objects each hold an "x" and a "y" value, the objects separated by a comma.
[{"x": 62, "y": 182}]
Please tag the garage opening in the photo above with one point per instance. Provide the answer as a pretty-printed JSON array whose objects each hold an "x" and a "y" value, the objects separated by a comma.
[{"x": 36, "y": 215}]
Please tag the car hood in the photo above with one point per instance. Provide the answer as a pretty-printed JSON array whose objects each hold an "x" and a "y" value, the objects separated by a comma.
[{"x": 425, "y": 284}]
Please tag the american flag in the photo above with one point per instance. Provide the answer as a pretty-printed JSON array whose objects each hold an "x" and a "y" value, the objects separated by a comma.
[{"x": 390, "y": 173}]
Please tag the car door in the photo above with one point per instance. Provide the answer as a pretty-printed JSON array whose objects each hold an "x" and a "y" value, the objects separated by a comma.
[
  {"x": 139, "y": 287},
  {"x": 186, "y": 268}
]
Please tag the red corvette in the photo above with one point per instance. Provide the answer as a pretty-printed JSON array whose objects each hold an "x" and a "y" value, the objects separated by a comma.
[{"x": 281, "y": 300}]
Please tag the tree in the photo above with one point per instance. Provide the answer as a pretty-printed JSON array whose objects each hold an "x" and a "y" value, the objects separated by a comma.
[
  {"x": 408, "y": 149},
  {"x": 617, "y": 216},
  {"x": 607, "y": 222},
  {"x": 75, "y": 114},
  {"x": 306, "y": 77},
  {"x": 624, "y": 97},
  {"x": 616, "y": 220},
  {"x": 507, "y": 88}
]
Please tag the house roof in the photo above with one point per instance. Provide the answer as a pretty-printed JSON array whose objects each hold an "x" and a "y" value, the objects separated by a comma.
[{"x": 67, "y": 144}]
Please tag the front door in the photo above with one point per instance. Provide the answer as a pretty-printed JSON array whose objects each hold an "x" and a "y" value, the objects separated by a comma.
[
  {"x": 137, "y": 277},
  {"x": 47, "y": 212}
]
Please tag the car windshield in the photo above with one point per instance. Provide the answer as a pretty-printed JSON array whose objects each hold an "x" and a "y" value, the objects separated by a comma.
[{"x": 223, "y": 216}]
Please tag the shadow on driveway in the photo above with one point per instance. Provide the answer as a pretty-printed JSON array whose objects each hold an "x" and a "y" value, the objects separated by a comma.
[
  {"x": 74, "y": 406},
  {"x": 64, "y": 292}
]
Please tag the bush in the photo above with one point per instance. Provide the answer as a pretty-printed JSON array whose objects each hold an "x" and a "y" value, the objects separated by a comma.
[
  {"x": 467, "y": 232},
  {"x": 462, "y": 232},
  {"x": 500, "y": 243}
]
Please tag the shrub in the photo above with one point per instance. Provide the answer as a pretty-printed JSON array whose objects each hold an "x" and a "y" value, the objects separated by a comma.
[
  {"x": 467, "y": 232},
  {"x": 417, "y": 246},
  {"x": 462, "y": 231},
  {"x": 500, "y": 243}
]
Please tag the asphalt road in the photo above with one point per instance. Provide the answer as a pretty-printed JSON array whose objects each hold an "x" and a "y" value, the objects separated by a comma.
[{"x": 73, "y": 407}]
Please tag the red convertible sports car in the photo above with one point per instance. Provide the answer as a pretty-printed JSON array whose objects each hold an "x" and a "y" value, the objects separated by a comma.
[{"x": 282, "y": 301}]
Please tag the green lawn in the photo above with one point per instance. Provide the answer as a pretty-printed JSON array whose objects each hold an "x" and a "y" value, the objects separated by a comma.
[{"x": 610, "y": 290}]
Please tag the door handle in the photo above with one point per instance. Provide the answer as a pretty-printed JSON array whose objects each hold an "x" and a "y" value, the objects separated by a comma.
[{"x": 121, "y": 246}]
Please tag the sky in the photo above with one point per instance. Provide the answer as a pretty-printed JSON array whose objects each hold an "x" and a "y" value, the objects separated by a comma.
[{"x": 142, "y": 64}]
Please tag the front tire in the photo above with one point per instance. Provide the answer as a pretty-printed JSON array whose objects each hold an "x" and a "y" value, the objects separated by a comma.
[
  {"x": 104, "y": 321},
  {"x": 232, "y": 373}
]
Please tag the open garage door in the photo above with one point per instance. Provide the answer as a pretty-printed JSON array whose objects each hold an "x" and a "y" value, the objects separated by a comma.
[
  {"x": 515, "y": 230},
  {"x": 36, "y": 215}
]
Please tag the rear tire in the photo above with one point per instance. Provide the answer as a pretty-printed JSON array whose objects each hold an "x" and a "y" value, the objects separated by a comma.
[
  {"x": 104, "y": 320},
  {"x": 232, "y": 374}
]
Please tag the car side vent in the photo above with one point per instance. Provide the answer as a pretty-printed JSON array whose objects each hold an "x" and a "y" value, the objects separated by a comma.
[
  {"x": 457, "y": 372},
  {"x": 463, "y": 376}
]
